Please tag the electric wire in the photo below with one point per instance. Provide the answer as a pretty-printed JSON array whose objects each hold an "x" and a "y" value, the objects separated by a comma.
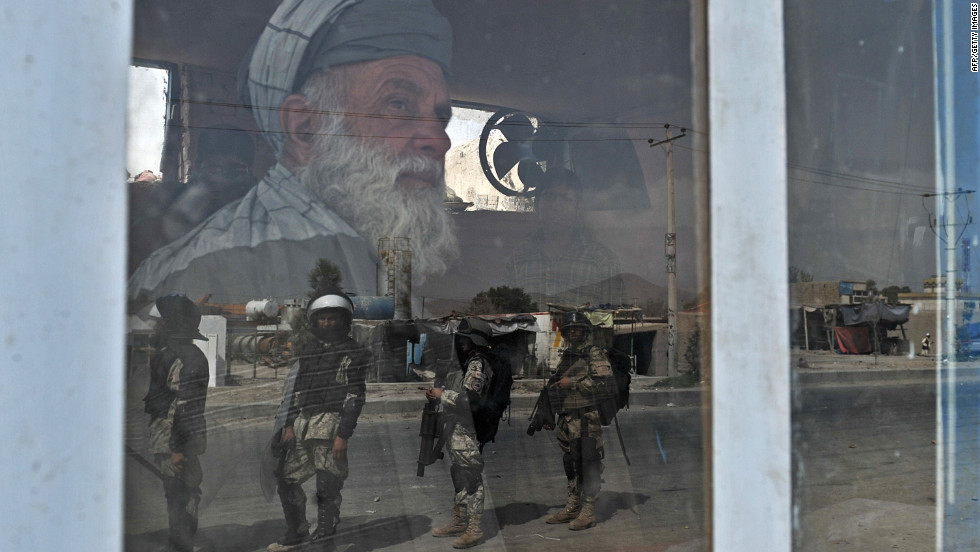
[{"x": 543, "y": 121}]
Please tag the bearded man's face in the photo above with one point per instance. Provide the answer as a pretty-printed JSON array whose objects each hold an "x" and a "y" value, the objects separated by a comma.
[
  {"x": 379, "y": 156},
  {"x": 403, "y": 103}
]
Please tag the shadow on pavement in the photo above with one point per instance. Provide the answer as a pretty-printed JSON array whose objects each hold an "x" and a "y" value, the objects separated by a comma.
[
  {"x": 519, "y": 513},
  {"x": 372, "y": 535},
  {"x": 219, "y": 538},
  {"x": 515, "y": 513},
  {"x": 381, "y": 533},
  {"x": 611, "y": 502}
]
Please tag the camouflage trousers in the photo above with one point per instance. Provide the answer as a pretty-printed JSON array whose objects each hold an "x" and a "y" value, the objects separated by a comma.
[
  {"x": 580, "y": 438},
  {"x": 312, "y": 453},
  {"x": 313, "y": 450},
  {"x": 467, "y": 469},
  {"x": 182, "y": 488},
  {"x": 183, "y": 491}
]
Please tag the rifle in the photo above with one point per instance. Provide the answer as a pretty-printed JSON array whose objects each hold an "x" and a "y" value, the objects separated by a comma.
[
  {"x": 542, "y": 416},
  {"x": 433, "y": 437},
  {"x": 146, "y": 463}
]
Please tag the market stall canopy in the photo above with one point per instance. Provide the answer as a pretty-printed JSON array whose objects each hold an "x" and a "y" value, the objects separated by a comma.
[{"x": 877, "y": 313}]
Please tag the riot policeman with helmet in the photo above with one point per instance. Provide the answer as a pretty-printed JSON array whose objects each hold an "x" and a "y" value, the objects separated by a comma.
[{"x": 321, "y": 413}]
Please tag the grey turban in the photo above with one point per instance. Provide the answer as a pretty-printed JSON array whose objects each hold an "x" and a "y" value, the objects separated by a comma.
[{"x": 305, "y": 35}]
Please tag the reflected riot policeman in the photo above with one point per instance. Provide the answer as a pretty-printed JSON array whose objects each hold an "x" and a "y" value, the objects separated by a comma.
[
  {"x": 175, "y": 402},
  {"x": 326, "y": 401}
]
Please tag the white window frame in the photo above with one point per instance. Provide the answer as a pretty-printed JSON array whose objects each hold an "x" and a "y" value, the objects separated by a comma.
[
  {"x": 63, "y": 237},
  {"x": 750, "y": 387}
]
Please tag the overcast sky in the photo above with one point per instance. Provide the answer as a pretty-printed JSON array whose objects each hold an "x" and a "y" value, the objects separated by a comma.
[{"x": 145, "y": 123}]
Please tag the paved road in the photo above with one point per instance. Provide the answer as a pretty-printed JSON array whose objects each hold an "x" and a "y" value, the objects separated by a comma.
[
  {"x": 859, "y": 451},
  {"x": 387, "y": 507}
]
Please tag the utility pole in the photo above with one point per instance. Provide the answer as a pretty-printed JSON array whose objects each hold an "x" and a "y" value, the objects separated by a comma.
[
  {"x": 670, "y": 253},
  {"x": 670, "y": 257},
  {"x": 950, "y": 228},
  {"x": 394, "y": 275}
]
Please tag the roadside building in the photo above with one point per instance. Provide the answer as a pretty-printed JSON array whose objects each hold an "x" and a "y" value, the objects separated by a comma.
[
  {"x": 845, "y": 315},
  {"x": 833, "y": 292},
  {"x": 926, "y": 308}
]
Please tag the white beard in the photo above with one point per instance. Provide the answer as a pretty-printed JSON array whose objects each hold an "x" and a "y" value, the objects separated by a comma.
[{"x": 357, "y": 180}]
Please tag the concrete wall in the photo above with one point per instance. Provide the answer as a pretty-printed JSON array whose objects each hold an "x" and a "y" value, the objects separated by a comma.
[
  {"x": 925, "y": 317},
  {"x": 818, "y": 294},
  {"x": 215, "y": 328}
]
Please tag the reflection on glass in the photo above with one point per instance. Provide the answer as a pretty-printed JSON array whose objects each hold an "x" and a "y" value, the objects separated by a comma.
[
  {"x": 310, "y": 147},
  {"x": 164, "y": 210},
  {"x": 881, "y": 281},
  {"x": 559, "y": 262}
]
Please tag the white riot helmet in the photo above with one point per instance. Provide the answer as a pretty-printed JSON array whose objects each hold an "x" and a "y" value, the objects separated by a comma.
[{"x": 329, "y": 300}]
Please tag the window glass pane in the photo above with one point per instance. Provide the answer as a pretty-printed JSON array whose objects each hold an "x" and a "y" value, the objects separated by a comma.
[
  {"x": 560, "y": 242},
  {"x": 149, "y": 95},
  {"x": 882, "y": 279}
]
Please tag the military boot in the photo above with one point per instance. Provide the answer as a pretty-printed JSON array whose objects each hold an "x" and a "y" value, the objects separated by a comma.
[
  {"x": 586, "y": 517},
  {"x": 456, "y": 527},
  {"x": 328, "y": 489},
  {"x": 288, "y": 542},
  {"x": 572, "y": 507},
  {"x": 294, "y": 510},
  {"x": 326, "y": 524},
  {"x": 472, "y": 536}
]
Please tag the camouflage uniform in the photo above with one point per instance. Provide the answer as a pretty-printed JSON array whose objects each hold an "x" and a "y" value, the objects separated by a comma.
[
  {"x": 175, "y": 402},
  {"x": 327, "y": 400},
  {"x": 464, "y": 449},
  {"x": 579, "y": 428}
]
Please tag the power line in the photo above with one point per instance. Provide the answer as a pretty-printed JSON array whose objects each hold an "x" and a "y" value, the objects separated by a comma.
[
  {"x": 371, "y": 136},
  {"x": 899, "y": 188},
  {"x": 857, "y": 178},
  {"x": 858, "y": 188},
  {"x": 544, "y": 122},
  {"x": 902, "y": 189}
]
